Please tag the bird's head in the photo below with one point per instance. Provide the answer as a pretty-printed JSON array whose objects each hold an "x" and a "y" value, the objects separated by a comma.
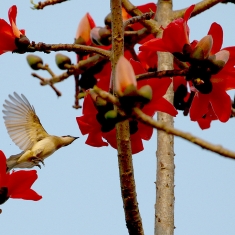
[{"x": 68, "y": 139}]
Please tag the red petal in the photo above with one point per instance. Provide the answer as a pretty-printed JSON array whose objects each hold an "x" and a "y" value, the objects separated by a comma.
[
  {"x": 145, "y": 131},
  {"x": 111, "y": 137},
  {"x": 88, "y": 106},
  {"x": 95, "y": 139},
  {"x": 165, "y": 106},
  {"x": 2, "y": 169},
  {"x": 137, "y": 67},
  {"x": 147, "y": 7},
  {"x": 27, "y": 195},
  {"x": 7, "y": 38},
  {"x": 136, "y": 143},
  {"x": 159, "y": 87},
  {"x": 83, "y": 126},
  {"x": 220, "y": 102},
  {"x": 188, "y": 12},
  {"x": 21, "y": 181},
  {"x": 199, "y": 106},
  {"x": 204, "y": 123},
  {"x": 148, "y": 59},
  {"x": 91, "y": 21},
  {"x": 12, "y": 14},
  {"x": 156, "y": 44},
  {"x": 216, "y": 32}
]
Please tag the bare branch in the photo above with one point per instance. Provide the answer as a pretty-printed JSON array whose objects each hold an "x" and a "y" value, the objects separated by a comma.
[
  {"x": 138, "y": 114},
  {"x": 135, "y": 19},
  {"x": 199, "y": 8},
  {"x": 162, "y": 74},
  {"x": 151, "y": 25},
  {"x": 47, "y": 48},
  {"x": 126, "y": 171},
  {"x": 41, "y": 5}
]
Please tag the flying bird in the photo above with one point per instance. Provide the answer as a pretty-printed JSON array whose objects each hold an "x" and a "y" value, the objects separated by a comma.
[{"x": 27, "y": 132}]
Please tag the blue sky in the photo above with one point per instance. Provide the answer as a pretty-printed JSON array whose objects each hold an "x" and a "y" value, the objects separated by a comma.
[{"x": 80, "y": 184}]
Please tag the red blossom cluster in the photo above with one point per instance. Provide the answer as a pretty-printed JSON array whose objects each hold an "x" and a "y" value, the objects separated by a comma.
[{"x": 202, "y": 92}]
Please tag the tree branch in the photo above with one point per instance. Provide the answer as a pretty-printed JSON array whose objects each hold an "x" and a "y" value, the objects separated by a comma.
[
  {"x": 126, "y": 171},
  {"x": 47, "y": 48},
  {"x": 151, "y": 25},
  {"x": 135, "y": 19},
  {"x": 164, "y": 207},
  {"x": 142, "y": 117},
  {"x": 161, "y": 74},
  {"x": 41, "y": 5},
  {"x": 139, "y": 115},
  {"x": 199, "y": 8}
]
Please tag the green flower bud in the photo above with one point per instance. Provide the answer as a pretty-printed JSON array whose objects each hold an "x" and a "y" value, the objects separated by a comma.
[
  {"x": 111, "y": 114},
  {"x": 197, "y": 53},
  {"x": 62, "y": 60},
  {"x": 35, "y": 62},
  {"x": 146, "y": 92}
]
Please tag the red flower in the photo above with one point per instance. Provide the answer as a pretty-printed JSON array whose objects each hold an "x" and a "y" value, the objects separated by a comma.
[
  {"x": 88, "y": 123},
  {"x": 9, "y": 32},
  {"x": 16, "y": 184},
  {"x": 210, "y": 92},
  {"x": 224, "y": 80},
  {"x": 169, "y": 42}
]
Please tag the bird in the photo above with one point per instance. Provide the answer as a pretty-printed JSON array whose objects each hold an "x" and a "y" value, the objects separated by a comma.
[{"x": 27, "y": 132}]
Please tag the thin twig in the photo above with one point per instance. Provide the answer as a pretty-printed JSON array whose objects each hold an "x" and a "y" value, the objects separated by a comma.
[
  {"x": 161, "y": 74},
  {"x": 151, "y": 25},
  {"x": 139, "y": 115},
  {"x": 47, "y": 48},
  {"x": 199, "y": 8},
  {"x": 135, "y": 19},
  {"x": 41, "y": 5}
]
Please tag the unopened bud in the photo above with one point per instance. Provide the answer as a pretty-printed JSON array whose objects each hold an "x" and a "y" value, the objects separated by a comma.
[
  {"x": 62, "y": 60},
  {"x": 125, "y": 76},
  {"x": 101, "y": 36},
  {"x": 197, "y": 53},
  {"x": 35, "y": 62},
  {"x": 146, "y": 92},
  {"x": 111, "y": 114},
  {"x": 108, "y": 20},
  {"x": 100, "y": 102},
  {"x": 206, "y": 44}
]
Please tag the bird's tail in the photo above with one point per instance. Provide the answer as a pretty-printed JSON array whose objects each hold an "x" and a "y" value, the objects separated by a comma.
[{"x": 12, "y": 162}]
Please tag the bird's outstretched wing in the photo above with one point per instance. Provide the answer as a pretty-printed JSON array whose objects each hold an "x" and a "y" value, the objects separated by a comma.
[{"x": 22, "y": 123}]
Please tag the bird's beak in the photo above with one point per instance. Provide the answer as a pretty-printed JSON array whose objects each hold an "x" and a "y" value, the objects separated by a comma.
[{"x": 75, "y": 138}]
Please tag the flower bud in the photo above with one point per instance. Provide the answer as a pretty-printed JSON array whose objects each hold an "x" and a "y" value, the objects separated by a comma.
[
  {"x": 146, "y": 92},
  {"x": 206, "y": 44},
  {"x": 124, "y": 76},
  {"x": 83, "y": 31},
  {"x": 101, "y": 36},
  {"x": 35, "y": 62},
  {"x": 62, "y": 60},
  {"x": 111, "y": 114}
]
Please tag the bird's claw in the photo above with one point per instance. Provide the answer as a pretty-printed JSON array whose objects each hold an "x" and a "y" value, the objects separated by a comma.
[{"x": 37, "y": 160}]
